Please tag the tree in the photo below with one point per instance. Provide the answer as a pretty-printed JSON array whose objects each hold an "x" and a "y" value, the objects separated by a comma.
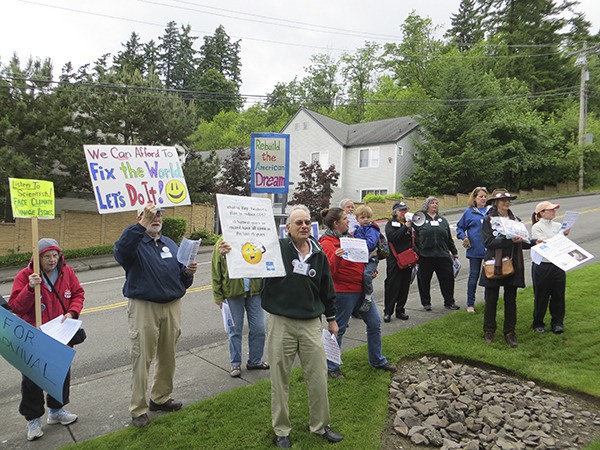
[
  {"x": 466, "y": 28},
  {"x": 177, "y": 59},
  {"x": 200, "y": 170},
  {"x": 316, "y": 187},
  {"x": 320, "y": 85},
  {"x": 235, "y": 176},
  {"x": 219, "y": 53},
  {"x": 132, "y": 57},
  {"x": 358, "y": 73},
  {"x": 215, "y": 94}
]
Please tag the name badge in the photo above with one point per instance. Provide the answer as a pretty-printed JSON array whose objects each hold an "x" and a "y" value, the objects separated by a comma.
[
  {"x": 166, "y": 253},
  {"x": 301, "y": 268},
  {"x": 434, "y": 223}
]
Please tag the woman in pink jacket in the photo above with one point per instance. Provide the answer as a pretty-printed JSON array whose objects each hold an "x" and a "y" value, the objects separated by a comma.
[{"x": 61, "y": 295}]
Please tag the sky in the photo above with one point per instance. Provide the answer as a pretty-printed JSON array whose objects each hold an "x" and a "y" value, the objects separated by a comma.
[{"x": 277, "y": 37}]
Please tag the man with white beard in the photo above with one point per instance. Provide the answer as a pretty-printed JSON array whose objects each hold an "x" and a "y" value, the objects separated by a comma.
[{"x": 154, "y": 284}]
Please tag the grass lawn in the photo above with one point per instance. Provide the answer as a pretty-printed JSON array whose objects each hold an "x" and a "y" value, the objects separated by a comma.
[{"x": 240, "y": 419}]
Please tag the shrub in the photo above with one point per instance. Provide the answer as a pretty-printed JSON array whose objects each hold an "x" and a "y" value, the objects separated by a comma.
[
  {"x": 373, "y": 198},
  {"x": 174, "y": 227},
  {"x": 207, "y": 236},
  {"x": 21, "y": 259}
]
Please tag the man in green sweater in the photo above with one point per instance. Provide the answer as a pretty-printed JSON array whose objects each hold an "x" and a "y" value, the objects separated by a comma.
[{"x": 295, "y": 304}]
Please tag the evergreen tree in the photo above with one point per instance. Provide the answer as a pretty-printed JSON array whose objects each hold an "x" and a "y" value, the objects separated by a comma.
[
  {"x": 220, "y": 53},
  {"x": 200, "y": 170},
  {"x": 132, "y": 57},
  {"x": 466, "y": 28},
  {"x": 235, "y": 176}
]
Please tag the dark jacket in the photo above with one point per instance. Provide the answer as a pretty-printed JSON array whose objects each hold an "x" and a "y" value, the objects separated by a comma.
[
  {"x": 301, "y": 296},
  {"x": 434, "y": 241},
  {"x": 152, "y": 271},
  {"x": 398, "y": 235},
  {"x": 509, "y": 248}
]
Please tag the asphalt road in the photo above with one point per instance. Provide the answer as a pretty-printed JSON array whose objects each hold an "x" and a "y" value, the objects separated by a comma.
[{"x": 106, "y": 351}]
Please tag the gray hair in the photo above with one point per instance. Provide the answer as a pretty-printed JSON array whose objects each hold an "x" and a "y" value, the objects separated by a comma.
[
  {"x": 296, "y": 208},
  {"x": 427, "y": 202},
  {"x": 343, "y": 203}
]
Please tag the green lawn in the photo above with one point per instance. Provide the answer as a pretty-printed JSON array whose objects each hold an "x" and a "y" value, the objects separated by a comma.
[{"x": 240, "y": 419}]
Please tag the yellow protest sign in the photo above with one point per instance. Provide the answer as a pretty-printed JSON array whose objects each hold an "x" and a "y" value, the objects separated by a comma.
[{"x": 32, "y": 198}]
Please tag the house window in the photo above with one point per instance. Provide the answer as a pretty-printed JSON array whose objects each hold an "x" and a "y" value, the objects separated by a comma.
[
  {"x": 369, "y": 157},
  {"x": 364, "y": 192},
  {"x": 314, "y": 157}
]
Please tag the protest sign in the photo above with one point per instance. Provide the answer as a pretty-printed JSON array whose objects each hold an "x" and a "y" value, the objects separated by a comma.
[
  {"x": 560, "y": 251},
  {"x": 126, "y": 177},
  {"x": 269, "y": 163},
  {"x": 32, "y": 198},
  {"x": 249, "y": 227},
  {"x": 39, "y": 357}
]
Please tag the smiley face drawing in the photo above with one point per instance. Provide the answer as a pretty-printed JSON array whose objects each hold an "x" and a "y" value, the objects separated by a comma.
[
  {"x": 252, "y": 252},
  {"x": 175, "y": 191}
]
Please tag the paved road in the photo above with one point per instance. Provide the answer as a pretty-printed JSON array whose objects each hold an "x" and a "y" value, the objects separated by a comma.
[{"x": 100, "y": 386}]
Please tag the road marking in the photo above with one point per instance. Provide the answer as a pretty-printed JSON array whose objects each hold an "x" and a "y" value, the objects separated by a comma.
[{"x": 124, "y": 303}]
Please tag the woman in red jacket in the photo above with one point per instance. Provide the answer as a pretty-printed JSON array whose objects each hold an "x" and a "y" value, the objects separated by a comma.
[
  {"x": 57, "y": 280},
  {"x": 347, "y": 280}
]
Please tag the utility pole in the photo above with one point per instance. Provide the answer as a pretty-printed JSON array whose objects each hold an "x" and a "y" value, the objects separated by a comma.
[{"x": 582, "y": 61}]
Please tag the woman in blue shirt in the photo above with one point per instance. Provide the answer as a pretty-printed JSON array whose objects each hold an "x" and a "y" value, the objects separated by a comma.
[{"x": 468, "y": 229}]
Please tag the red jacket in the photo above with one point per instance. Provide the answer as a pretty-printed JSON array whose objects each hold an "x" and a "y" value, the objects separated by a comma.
[
  {"x": 67, "y": 285},
  {"x": 347, "y": 275}
]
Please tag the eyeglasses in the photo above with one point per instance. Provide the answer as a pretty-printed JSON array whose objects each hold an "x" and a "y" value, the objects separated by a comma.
[{"x": 302, "y": 222}]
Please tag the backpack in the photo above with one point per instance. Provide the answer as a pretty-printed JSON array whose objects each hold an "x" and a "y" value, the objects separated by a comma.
[{"x": 383, "y": 248}]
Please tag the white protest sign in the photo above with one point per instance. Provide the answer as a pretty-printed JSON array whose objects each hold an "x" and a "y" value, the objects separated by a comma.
[
  {"x": 249, "y": 227},
  {"x": 126, "y": 177}
]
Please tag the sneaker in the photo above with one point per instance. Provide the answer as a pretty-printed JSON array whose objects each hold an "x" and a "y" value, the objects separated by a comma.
[
  {"x": 558, "y": 329},
  {"x": 140, "y": 421},
  {"x": 61, "y": 416},
  {"x": 511, "y": 340},
  {"x": 168, "y": 406},
  {"x": 453, "y": 306},
  {"x": 387, "y": 318},
  {"x": 427, "y": 307},
  {"x": 539, "y": 330},
  {"x": 470, "y": 310},
  {"x": 402, "y": 316},
  {"x": 34, "y": 429},
  {"x": 387, "y": 367},
  {"x": 336, "y": 374},
  {"x": 235, "y": 372},
  {"x": 489, "y": 337}
]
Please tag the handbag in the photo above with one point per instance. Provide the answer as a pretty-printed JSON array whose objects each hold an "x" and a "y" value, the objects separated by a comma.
[
  {"x": 407, "y": 258},
  {"x": 499, "y": 267},
  {"x": 81, "y": 335}
]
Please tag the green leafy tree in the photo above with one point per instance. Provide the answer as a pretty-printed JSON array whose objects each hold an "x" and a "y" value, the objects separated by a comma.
[
  {"x": 200, "y": 171},
  {"x": 221, "y": 54},
  {"x": 466, "y": 29},
  {"x": 215, "y": 94},
  {"x": 235, "y": 176},
  {"x": 358, "y": 72},
  {"x": 315, "y": 188},
  {"x": 320, "y": 85}
]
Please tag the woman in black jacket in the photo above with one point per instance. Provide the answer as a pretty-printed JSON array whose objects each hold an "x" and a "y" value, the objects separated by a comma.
[
  {"x": 399, "y": 233},
  {"x": 493, "y": 238}
]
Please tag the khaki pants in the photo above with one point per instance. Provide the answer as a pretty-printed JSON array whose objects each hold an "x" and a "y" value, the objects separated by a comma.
[
  {"x": 154, "y": 329},
  {"x": 287, "y": 338}
]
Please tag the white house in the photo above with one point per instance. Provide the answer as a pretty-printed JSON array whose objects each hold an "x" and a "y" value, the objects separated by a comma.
[{"x": 371, "y": 157}]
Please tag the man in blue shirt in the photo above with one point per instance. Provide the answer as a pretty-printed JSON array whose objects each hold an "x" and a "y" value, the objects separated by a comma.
[{"x": 154, "y": 284}]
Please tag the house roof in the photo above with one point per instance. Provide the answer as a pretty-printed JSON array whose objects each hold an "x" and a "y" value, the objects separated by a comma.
[{"x": 366, "y": 133}]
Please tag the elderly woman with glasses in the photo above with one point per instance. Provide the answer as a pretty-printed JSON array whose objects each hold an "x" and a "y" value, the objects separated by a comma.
[
  {"x": 61, "y": 295},
  {"x": 468, "y": 230},
  {"x": 499, "y": 245}
]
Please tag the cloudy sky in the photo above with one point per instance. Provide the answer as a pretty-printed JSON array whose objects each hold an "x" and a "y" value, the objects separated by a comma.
[{"x": 277, "y": 36}]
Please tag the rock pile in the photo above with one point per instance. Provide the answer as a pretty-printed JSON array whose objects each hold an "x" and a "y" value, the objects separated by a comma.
[{"x": 449, "y": 405}]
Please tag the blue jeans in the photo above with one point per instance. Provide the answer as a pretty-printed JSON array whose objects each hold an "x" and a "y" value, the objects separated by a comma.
[
  {"x": 256, "y": 332},
  {"x": 474, "y": 271},
  {"x": 345, "y": 303},
  {"x": 370, "y": 268}
]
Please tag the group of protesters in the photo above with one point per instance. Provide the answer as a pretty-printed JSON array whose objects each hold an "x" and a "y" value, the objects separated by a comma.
[{"x": 327, "y": 289}]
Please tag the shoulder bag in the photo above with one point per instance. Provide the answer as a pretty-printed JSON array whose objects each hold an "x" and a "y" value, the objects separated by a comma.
[
  {"x": 407, "y": 258},
  {"x": 499, "y": 267}
]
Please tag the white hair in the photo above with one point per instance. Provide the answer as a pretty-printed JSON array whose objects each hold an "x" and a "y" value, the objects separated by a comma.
[
  {"x": 343, "y": 203},
  {"x": 296, "y": 208}
]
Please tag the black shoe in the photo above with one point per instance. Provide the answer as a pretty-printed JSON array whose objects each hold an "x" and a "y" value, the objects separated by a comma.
[
  {"x": 453, "y": 306},
  {"x": 332, "y": 436},
  {"x": 140, "y": 421},
  {"x": 283, "y": 442},
  {"x": 402, "y": 316},
  {"x": 168, "y": 406},
  {"x": 489, "y": 337},
  {"x": 539, "y": 329},
  {"x": 387, "y": 318},
  {"x": 511, "y": 340},
  {"x": 558, "y": 329},
  {"x": 427, "y": 307},
  {"x": 388, "y": 367},
  {"x": 336, "y": 374}
]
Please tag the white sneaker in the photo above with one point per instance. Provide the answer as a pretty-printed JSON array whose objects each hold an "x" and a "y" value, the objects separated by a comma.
[
  {"x": 34, "y": 429},
  {"x": 61, "y": 416}
]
